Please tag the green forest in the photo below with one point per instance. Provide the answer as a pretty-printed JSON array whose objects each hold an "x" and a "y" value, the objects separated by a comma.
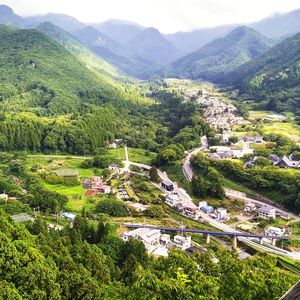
[{"x": 89, "y": 261}]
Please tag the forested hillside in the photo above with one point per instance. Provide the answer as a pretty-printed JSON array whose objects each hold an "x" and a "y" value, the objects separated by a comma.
[
  {"x": 79, "y": 50},
  {"x": 272, "y": 79},
  {"x": 92, "y": 262},
  {"x": 52, "y": 101},
  {"x": 214, "y": 60}
]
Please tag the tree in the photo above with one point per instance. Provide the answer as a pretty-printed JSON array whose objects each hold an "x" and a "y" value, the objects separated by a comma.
[
  {"x": 154, "y": 211},
  {"x": 153, "y": 173},
  {"x": 112, "y": 207},
  {"x": 199, "y": 186}
]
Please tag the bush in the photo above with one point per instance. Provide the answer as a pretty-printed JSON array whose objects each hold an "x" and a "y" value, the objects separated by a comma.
[{"x": 112, "y": 207}]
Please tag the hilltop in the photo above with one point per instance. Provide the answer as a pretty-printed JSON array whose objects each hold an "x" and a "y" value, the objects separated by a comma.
[{"x": 221, "y": 55}]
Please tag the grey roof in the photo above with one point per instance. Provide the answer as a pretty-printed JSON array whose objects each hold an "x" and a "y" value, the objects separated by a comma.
[
  {"x": 167, "y": 182},
  {"x": 215, "y": 156},
  {"x": 266, "y": 209}
]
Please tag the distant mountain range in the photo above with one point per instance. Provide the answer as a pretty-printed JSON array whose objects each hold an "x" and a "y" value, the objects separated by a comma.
[
  {"x": 221, "y": 55},
  {"x": 142, "y": 52}
]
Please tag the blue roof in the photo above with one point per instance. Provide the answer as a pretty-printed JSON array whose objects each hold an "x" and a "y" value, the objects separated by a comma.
[{"x": 207, "y": 207}]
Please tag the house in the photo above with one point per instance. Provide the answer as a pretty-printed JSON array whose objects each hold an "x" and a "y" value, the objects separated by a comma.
[
  {"x": 274, "y": 159},
  {"x": 254, "y": 139},
  {"x": 191, "y": 250},
  {"x": 172, "y": 200},
  {"x": 112, "y": 167},
  {"x": 202, "y": 203},
  {"x": 138, "y": 206},
  {"x": 226, "y": 136},
  {"x": 167, "y": 185},
  {"x": 215, "y": 156},
  {"x": 222, "y": 213},
  {"x": 207, "y": 209},
  {"x": 189, "y": 209},
  {"x": 250, "y": 207},
  {"x": 267, "y": 212},
  {"x": 226, "y": 154},
  {"x": 69, "y": 216},
  {"x": 112, "y": 146},
  {"x": 96, "y": 186},
  {"x": 149, "y": 237},
  {"x": 275, "y": 231},
  {"x": 165, "y": 239},
  {"x": 182, "y": 242},
  {"x": 4, "y": 197},
  {"x": 285, "y": 162}
]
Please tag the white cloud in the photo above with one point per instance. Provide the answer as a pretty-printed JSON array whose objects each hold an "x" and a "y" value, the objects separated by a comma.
[{"x": 166, "y": 15}]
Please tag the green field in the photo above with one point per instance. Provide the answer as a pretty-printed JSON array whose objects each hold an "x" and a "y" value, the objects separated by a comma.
[{"x": 290, "y": 130}]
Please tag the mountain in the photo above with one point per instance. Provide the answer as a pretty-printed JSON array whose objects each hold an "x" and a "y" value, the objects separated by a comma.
[
  {"x": 221, "y": 55},
  {"x": 272, "y": 79},
  {"x": 118, "y": 30},
  {"x": 38, "y": 74},
  {"x": 66, "y": 22},
  {"x": 7, "y": 16},
  {"x": 279, "y": 25},
  {"x": 91, "y": 60},
  {"x": 92, "y": 38},
  {"x": 188, "y": 42},
  {"x": 116, "y": 54},
  {"x": 151, "y": 45}
]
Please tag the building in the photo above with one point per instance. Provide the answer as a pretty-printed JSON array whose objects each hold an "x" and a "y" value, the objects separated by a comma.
[
  {"x": 250, "y": 207},
  {"x": 286, "y": 162},
  {"x": 202, "y": 203},
  {"x": 267, "y": 212},
  {"x": 274, "y": 159},
  {"x": 182, "y": 242},
  {"x": 275, "y": 231},
  {"x": 137, "y": 206},
  {"x": 215, "y": 156},
  {"x": 172, "y": 200},
  {"x": 4, "y": 197},
  {"x": 165, "y": 239},
  {"x": 254, "y": 139},
  {"x": 207, "y": 209},
  {"x": 149, "y": 237},
  {"x": 167, "y": 185},
  {"x": 221, "y": 213},
  {"x": 112, "y": 146},
  {"x": 96, "y": 186},
  {"x": 69, "y": 216},
  {"x": 189, "y": 209},
  {"x": 191, "y": 250}
]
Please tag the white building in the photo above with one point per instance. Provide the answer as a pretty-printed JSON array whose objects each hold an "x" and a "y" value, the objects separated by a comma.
[
  {"x": 150, "y": 237},
  {"x": 250, "y": 207},
  {"x": 68, "y": 216},
  {"x": 172, "y": 200},
  {"x": 202, "y": 203},
  {"x": 267, "y": 212},
  {"x": 4, "y": 197},
  {"x": 222, "y": 213},
  {"x": 182, "y": 242},
  {"x": 275, "y": 231}
]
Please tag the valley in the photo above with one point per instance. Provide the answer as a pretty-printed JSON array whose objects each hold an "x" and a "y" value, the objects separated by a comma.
[{"x": 137, "y": 164}]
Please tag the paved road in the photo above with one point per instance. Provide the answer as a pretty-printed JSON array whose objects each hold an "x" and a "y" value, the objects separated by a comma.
[{"x": 219, "y": 225}]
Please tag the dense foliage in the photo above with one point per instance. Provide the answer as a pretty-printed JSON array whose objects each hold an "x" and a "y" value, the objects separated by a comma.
[
  {"x": 272, "y": 79},
  {"x": 87, "y": 262},
  {"x": 283, "y": 185}
]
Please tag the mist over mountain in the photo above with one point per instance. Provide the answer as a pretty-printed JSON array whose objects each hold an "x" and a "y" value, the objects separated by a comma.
[
  {"x": 121, "y": 31},
  {"x": 152, "y": 45}
]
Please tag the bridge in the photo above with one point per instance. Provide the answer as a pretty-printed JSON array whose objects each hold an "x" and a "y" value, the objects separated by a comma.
[{"x": 208, "y": 234}]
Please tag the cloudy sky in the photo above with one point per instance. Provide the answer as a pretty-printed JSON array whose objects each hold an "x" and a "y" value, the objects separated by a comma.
[{"x": 167, "y": 15}]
